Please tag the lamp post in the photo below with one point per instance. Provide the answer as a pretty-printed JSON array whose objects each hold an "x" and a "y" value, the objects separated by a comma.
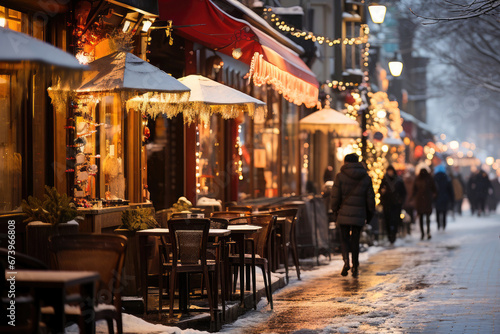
[
  {"x": 377, "y": 13},
  {"x": 395, "y": 66}
]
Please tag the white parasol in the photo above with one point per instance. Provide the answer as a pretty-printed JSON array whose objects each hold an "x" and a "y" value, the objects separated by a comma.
[
  {"x": 140, "y": 85},
  {"x": 18, "y": 49},
  {"x": 209, "y": 97},
  {"x": 123, "y": 71},
  {"x": 330, "y": 120}
]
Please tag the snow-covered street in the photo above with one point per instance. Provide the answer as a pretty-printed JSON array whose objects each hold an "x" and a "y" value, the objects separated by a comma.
[{"x": 449, "y": 284}]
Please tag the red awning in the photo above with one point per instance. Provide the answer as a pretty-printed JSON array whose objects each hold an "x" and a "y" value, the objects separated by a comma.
[{"x": 270, "y": 62}]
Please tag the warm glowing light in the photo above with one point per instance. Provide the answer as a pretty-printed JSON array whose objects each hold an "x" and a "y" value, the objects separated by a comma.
[
  {"x": 381, "y": 114},
  {"x": 377, "y": 13},
  {"x": 443, "y": 136},
  {"x": 237, "y": 53},
  {"x": 490, "y": 161},
  {"x": 385, "y": 148},
  {"x": 450, "y": 161},
  {"x": 430, "y": 156},
  {"x": 126, "y": 26},
  {"x": 395, "y": 67},
  {"x": 454, "y": 145},
  {"x": 146, "y": 25},
  {"x": 2, "y": 19},
  {"x": 407, "y": 141},
  {"x": 470, "y": 154}
]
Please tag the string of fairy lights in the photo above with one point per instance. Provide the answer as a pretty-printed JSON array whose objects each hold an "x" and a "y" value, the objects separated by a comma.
[
  {"x": 308, "y": 35},
  {"x": 280, "y": 24}
]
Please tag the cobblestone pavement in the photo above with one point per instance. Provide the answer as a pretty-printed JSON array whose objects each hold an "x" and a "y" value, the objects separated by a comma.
[{"x": 449, "y": 284}]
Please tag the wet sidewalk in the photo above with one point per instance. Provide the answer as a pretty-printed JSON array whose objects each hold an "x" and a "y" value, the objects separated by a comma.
[{"x": 449, "y": 284}]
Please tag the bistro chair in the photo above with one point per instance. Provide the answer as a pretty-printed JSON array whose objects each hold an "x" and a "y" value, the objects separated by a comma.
[
  {"x": 240, "y": 208},
  {"x": 103, "y": 253},
  {"x": 285, "y": 233},
  {"x": 260, "y": 256},
  {"x": 233, "y": 217},
  {"x": 27, "y": 312},
  {"x": 189, "y": 242}
]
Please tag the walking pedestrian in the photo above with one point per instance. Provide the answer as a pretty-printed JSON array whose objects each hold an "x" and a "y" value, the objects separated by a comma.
[
  {"x": 392, "y": 196},
  {"x": 409, "y": 205},
  {"x": 472, "y": 190},
  {"x": 444, "y": 195},
  {"x": 483, "y": 188},
  {"x": 458, "y": 186},
  {"x": 353, "y": 205},
  {"x": 495, "y": 196},
  {"x": 424, "y": 190}
]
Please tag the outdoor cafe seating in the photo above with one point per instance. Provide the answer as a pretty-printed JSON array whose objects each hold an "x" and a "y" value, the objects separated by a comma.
[
  {"x": 189, "y": 242},
  {"x": 101, "y": 253},
  {"x": 28, "y": 314},
  {"x": 260, "y": 256}
]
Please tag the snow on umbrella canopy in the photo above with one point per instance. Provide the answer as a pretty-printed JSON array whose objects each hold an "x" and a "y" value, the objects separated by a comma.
[
  {"x": 144, "y": 86},
  {"x": 330, "y": 120},
  {"x": 209, "y": 97},
  {"x": 19, "y": 49}
]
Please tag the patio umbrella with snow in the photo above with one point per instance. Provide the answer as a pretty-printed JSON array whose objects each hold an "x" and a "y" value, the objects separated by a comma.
[
  {"x": 19, "y": 49},
  {"x": 329, "y": 120},
  {"x": 141, "y": 85},
  {"x": 209, "y": 97}
]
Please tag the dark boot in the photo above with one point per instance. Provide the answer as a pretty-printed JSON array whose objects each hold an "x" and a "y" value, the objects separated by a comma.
[
  {"x": 345, "y": 269},
  {"x": 355, "y": 271}
]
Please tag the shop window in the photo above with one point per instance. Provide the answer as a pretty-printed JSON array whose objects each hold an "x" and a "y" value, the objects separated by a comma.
[
  {"x": 11, "y": 19},
  {"x": 210, "y": 173},
  {"x": 266, "y": 142},
  {"x": 10, "y": 146},
  {"x": 289, "y": 149},
  {"x": 99, "y": 166}
]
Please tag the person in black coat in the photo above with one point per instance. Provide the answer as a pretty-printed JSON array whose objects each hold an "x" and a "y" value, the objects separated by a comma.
[
  {"x": 424, "y": 191},
  {"x": 444, "y": 196},
  {"x": 353, "y": 205},
  {"x": 483, "y": 188},
  {"x": 392, "y": 196}
]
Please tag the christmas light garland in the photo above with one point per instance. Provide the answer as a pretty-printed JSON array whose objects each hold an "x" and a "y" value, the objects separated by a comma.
[{"x": 308, "y": 35}]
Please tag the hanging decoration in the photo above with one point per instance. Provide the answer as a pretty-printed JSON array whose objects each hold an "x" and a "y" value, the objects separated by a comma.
[
  {"x": 307, "y": 35},
  {"x": 293, "y": 90}
]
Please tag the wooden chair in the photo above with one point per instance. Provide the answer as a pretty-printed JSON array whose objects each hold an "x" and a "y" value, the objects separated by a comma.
[
  {"x": 233, "y": 217},
  {"x": 286, "y": 221},
  {"x": 240, "y": 208},
  {"x": 103, "y": 253},
  {"x": 260, "y": 245},
  {"x": 189, "y": 241},
  {"x": 27, "y": 312}
]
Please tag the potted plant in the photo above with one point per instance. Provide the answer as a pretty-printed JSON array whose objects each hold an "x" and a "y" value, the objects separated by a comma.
[
  {"x": 56, "y": 214},
  {"x": 133, "y": 220}
]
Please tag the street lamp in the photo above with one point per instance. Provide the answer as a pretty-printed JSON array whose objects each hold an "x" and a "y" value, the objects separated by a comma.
[
  {"x": 395, "y": 66},
  {"x": 377, "y": 13}
]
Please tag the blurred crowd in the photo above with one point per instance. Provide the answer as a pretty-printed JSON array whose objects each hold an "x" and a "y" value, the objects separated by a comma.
[{"x": 420, "y": 191}]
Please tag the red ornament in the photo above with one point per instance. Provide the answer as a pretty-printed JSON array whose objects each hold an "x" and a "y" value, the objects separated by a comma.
[
  {"x": 349, "y": 99},
  {"x": 146, "y": 133}
]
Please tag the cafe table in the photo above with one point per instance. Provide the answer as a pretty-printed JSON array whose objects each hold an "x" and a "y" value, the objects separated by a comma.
[
  {"x": 50, "y": 286},
  {"x": 163, "y": 232},
  {"x": 238, "y": 233}
]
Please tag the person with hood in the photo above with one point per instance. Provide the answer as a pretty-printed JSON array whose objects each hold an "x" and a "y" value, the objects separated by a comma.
[
  {"x": 458, "y": 186},
  {"x": 424, "y": 190},
  {"x": 353, "y": 205},
  {"x": 444, "y": 195},
  {"x": 392, "y": 196},
  {"x": 483, "y": 189}
]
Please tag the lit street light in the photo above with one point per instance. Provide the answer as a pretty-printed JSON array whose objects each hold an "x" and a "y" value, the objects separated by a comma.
[
  {"x": 377, "y": 13},
  {"x": 395, "y": 66}
]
